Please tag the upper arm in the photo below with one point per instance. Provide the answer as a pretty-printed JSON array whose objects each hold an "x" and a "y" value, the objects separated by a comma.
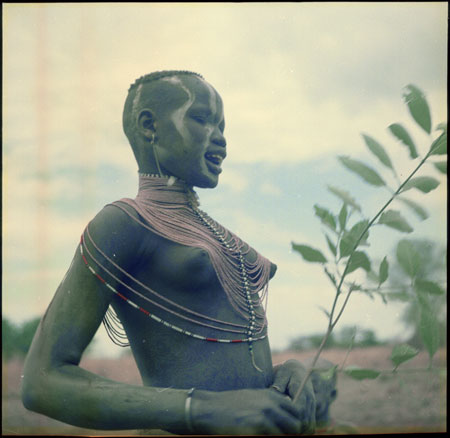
[{"x": 81, "y": 300}]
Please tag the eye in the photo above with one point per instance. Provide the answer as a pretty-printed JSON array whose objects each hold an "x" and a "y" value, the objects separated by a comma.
[{"x": 199, "y": 119}]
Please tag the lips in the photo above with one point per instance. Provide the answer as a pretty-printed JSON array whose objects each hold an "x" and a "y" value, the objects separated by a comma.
[{"x": 214, "y": 162}]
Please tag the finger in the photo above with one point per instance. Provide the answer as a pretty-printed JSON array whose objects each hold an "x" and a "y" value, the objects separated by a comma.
[
  {"x": 304, "y": 420},
  {"x": 309, "y": 426},
  {"x": 286, "y": 422},
  {"x": 308, "y": 406},
  {"x": 281, "y": 380},
  {"x": 306, "y": 413},
  {"x": 286, "y": 404},
  {"x": 309, "y": 415},
  {"x": 306, "y": 397}
]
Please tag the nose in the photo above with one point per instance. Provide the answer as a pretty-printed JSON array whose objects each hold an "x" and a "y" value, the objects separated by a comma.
[{"x": 218, "y": 138}]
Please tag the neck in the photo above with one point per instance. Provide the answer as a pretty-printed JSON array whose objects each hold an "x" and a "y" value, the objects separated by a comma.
[{"x": 166, "y": 187}]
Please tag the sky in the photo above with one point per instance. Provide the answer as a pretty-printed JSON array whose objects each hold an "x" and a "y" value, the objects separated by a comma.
[{"x": 300, "y": 82}]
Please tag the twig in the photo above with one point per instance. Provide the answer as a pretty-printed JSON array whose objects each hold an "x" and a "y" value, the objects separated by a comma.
[{"x": 331, "y": 323}]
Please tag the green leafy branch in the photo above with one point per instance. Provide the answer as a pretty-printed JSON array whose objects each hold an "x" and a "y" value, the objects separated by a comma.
[{"x": 344, "y": 248}]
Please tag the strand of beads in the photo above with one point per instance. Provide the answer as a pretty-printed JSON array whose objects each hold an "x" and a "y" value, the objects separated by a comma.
[
  {"x": 153, "y": 316},
  {"x": 251, "y": 311},
  {"x": 245, "y": 282}
]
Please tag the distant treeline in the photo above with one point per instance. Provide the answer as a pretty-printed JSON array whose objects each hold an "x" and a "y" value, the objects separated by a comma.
[
  {"x": 16, "y": 338},
  {"x": 346, "y": 337}
]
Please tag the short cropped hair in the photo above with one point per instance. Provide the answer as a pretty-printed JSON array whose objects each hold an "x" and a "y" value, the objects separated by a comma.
[
  {"x": 159, "y": 97},
  {"x": 159, "y": 75}
]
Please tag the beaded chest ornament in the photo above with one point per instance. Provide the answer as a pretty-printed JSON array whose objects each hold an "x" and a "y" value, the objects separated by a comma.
[{"x": 172, "y": 211}]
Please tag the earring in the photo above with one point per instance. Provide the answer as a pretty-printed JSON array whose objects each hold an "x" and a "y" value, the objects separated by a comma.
[{"x": 152, "y": 140}]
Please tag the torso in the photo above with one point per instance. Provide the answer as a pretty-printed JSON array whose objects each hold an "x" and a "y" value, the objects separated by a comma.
[{"x": 166, "y": 358}]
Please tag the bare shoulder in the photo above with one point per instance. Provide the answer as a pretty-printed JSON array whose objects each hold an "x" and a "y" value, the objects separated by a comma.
[
  {"x": 116, "y": 220},
  {"x": 118, "y": 230}
]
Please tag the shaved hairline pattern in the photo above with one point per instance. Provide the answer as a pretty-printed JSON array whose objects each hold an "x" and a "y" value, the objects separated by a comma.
[{"x": 134, "y": 95}]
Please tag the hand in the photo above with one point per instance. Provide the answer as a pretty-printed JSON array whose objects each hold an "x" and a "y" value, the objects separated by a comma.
[
  {"x": 244, "y": 412},
  {"x": 287, "y": 380}
]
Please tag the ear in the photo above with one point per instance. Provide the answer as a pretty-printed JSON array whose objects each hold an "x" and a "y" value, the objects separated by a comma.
[{"x": 146, "y": 124}]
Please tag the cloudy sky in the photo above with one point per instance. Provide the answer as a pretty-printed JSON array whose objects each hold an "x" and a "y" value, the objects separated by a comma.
[{"x": 300, "y": 83}]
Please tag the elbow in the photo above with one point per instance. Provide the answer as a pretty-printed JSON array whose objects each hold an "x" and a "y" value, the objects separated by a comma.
[
  {"x": 33, "y": 389},
  {"x": 29, "y": 395}
]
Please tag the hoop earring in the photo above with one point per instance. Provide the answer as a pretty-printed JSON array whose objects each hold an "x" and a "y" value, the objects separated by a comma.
[
  {"x": 155, "y": 155},
  {"x": 172, "y": 179}
]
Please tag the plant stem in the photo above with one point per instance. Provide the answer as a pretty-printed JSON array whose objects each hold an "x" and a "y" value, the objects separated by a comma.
[
  {"x": 311, "y": 367},
  {"x": 331, "y": 323},
  {"x": 350, "y": 347}
]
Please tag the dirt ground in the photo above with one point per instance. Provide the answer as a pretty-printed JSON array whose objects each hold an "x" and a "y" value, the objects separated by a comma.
[{"x": 411, "y": 401}]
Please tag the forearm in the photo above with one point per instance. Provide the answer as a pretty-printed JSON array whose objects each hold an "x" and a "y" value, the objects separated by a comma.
[{"x": 73, "y": 395}]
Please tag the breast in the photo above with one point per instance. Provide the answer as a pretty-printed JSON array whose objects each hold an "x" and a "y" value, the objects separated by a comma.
[{"x": 183, "y": 268}]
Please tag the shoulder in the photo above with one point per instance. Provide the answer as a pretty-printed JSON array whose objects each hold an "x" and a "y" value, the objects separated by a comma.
[
  {"x": 117, "y": 231},
  {"x": 116, "y": 220}
]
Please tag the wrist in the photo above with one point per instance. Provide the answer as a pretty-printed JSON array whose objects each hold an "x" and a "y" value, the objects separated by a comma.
[
  {"x": 204, "y": 406},
  {"x": 188, "y": 411}
]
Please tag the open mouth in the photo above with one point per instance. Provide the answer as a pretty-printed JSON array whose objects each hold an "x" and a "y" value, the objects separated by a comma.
[{"x": 214, "y": 162}]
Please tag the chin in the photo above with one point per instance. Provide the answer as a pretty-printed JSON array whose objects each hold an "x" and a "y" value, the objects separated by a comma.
[{"x": 206, "y": 182}]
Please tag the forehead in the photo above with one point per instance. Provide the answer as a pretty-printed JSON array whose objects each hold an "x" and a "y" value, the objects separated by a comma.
[{"x": 201, "y": 92}]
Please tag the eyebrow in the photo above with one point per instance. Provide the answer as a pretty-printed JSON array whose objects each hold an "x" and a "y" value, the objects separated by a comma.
[{"x": 200, "y": 107}]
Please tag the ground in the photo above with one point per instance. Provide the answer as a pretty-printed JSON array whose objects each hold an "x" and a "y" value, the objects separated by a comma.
[{"x": 411, "y": 400}]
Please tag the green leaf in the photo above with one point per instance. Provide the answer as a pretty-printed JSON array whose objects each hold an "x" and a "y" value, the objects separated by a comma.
[
  {"x": 394, "y": 219},
  {"x": 344, "y": 196},
  {"x": 441, "y": 127},
  {"x": 343, "y": 216},
  {"x": 385, "y": 301},
  {"x": 359, "y": 259},
  {"x": 361, "y": 373},
  {"x": 441, "y": 166},
  {"x": 423, "y": 183},
  {"x": 439, "y": 146},
  {"x": 378, "y": 150},
  {"x": 325, "y": 216},
  {"x": 331, "y": 277},
  {"x": 384, "y": 271},
  {"x": 402, "y": 134},
  {"x": 329, "y": 374},
  {"x": 408, "y": 257},
  {"x": 416, "y": 208},
  {"x": 309, "y": 254},
  {"x": 331, "y": 245},
  {"x": 429, "y": 330},
  {"x": 418, "y": 107},
  {"x": 325, "y": 311},
  {"x": 349, "y": 239},
  {"x": 355, "y": 286},
  {"x": 373, "y": 277},
  {"x": 402, "y": 353},
  {"x": 428, "y": 287},
  {"x": 365, "y": 172},
  {"x": 398, "y": 296}
]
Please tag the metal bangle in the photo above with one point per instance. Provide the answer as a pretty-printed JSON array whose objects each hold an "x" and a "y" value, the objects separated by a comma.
[{"x": 187, "y": 410}]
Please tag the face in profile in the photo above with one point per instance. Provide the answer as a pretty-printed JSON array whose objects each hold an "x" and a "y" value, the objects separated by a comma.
[{"x": 191, "y": 144}]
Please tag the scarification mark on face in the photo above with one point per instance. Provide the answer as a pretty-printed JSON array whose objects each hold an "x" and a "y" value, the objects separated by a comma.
[
  {"x": 212, "y": 97},
  {"x": 213, "y": 106},
  {"x": 136, "y": 100},
  {"x": 178, "y": 115}
]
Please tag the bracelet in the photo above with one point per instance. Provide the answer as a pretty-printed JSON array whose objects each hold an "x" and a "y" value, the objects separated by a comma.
[{"x": 187, "y": 410}]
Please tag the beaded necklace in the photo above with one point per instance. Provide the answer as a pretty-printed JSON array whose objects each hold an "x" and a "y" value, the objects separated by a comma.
[{"x": 172, "y": 211}]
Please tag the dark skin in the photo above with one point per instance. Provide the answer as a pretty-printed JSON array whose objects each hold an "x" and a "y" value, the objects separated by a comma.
[{"x": 231, "y": 396}]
